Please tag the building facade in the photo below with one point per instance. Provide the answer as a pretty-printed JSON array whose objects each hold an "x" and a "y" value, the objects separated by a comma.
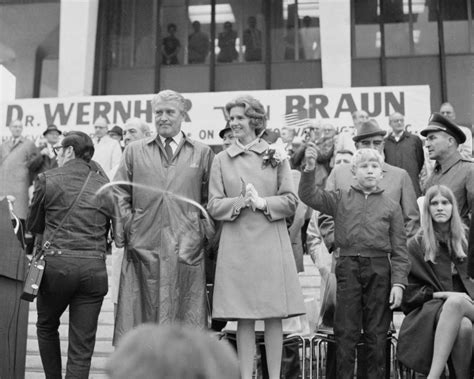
[{"x": 118, "y": 47}]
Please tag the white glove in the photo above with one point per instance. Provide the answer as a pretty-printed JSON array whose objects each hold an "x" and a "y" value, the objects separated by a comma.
[{"x": 253, "y": 200}]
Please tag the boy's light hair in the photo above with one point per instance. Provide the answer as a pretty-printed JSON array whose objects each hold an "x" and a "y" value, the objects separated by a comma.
[{"x": 366, "y": 155}]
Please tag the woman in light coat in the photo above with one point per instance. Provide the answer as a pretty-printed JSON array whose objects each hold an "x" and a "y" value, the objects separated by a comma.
[{"x": 251, "y": 191}]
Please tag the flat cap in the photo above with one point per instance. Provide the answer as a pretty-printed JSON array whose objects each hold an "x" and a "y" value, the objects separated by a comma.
[
  {"x": 439, "y": 123},
  {"x": 368, "y": 129},
  {"x": 116, "y": 130}
]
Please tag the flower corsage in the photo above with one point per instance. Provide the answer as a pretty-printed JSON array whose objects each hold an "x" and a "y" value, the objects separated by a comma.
[{"x": 274, "y": 155}]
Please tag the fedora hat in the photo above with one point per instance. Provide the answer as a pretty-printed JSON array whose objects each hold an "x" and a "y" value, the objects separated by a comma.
[
  {"x": 225, "y": 130},
  {"x": 368, "y": 129},
  {"x": 52, "y": 128},
  {"x": 116, "y": 130},
  {"x": 439, "y": 123}
]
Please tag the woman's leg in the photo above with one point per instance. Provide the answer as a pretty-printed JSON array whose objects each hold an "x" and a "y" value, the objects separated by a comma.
[
  {"x": 463, "y": 344},
  {"x": 246, "y": 347},
  {"x": 455, "y": 308},
  {"x": 273, "y": 346}
]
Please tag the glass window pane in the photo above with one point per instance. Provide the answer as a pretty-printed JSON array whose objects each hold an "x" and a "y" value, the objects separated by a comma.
[
  {"x": 228, "y": 43},
  {"x": 425, "y": 27},
  {"x": 174, "y": 31},
  {"x": 455, "y": 27},
  {"x": 199, "y": 43},
  {"x": 254, "y": 30},
  {"x": 144, "y": 34},
  {"x": 295, "y": 30},
  {"x": 397, "y": 28},
  {"x": 367, "y": 31}
]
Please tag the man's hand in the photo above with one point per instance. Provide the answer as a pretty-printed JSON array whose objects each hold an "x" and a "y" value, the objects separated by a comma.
[
  {"x": 253, "y": 200},
  {"x": 310, "y": 154},
  {"x": 396, "y": 295}
]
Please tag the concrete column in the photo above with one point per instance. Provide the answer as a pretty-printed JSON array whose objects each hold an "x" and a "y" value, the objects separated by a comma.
[
  {"x": 7, "y": 94},
  {"x": 77, "y": 35},
  {"x": 335, "y": 27}
]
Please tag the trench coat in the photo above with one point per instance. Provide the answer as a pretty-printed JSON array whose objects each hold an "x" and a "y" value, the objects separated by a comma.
[
  {"x": 256, "y": 274},
  {"x": 15, "y": 178},
  {"x": 162, "y": 276},
  {"x": 416, "y": 336}
]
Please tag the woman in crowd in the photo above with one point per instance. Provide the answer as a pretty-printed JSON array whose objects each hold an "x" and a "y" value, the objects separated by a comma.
[
  {"x": 438, "y": 301},
  {"x": 251, "y": 190}
]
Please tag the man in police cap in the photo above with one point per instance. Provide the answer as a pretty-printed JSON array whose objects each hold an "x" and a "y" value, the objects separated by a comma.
[{"x": 452, "y": 170}]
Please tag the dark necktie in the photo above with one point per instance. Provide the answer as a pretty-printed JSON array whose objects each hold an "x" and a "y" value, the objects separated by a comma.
[
  {"x": 437, "y": 168},
  {"x": 168, "y": 149}
]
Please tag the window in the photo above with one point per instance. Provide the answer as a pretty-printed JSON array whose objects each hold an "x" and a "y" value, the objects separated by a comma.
[{"x": 295, "y": 31}]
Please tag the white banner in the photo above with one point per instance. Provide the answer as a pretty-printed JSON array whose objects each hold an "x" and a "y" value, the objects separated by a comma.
[{"x": 205, "y": 116}]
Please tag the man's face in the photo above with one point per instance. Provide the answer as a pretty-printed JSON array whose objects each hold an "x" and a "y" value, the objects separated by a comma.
[
  {"x": 168, "y": 118},
  {"x": 397, "y": 123},
  {"x": 448, "y": 111},
  {"x": 132, "y": 132},
  {"x": 16, "y": 128},
  {"x": 342, "y": 158},
  {"x": 438, "y": 144},
  {"x": 100, "y": 130},
  {"x": 52, "y": 138},
  {"x": 359, "y": 118},
  {"x": 329, "y": 130},
  {"x": 368, "y": 174},
  {"x": 228, "y": 139},
  {"x": 375, "y": 142}
]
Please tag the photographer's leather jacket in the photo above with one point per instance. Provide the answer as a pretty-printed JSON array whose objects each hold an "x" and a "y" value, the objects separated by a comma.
[{"x": 86, "y": 227}]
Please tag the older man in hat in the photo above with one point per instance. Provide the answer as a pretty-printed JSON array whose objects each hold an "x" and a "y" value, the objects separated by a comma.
[
  {"x": 395, "y": 182},
  {"x": 48, "y": 159},
  {"x": 443, "y": 138},
  {"x": 227, "y": 136}
]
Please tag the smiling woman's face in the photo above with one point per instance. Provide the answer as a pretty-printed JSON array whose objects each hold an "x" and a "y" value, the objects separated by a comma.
[
  {"x": 240, "y": 125},
  {"x": 441, "y": 209}
]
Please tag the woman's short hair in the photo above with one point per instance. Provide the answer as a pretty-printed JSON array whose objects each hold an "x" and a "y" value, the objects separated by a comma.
[
  {"x": 169, "y": 95},
  {"x": 173, "y": 352},
  {"x": 81, "y": 144},
  {"x": 253, "y": 109},
  {"x": 364, "y": 155},
  {"x": 458, "y": 242}
]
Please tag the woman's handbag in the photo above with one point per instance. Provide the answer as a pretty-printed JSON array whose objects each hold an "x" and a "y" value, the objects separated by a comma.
[{"x": 38, "y": 264}]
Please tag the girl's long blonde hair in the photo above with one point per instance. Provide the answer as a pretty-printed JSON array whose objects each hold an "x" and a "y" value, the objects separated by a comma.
[{"x": 457, "y": 230}]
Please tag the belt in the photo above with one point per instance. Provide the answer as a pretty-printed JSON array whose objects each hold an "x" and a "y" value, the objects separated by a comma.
[
  {"x": 366, "y": 253},
  {"x": 75, "y": 254}
]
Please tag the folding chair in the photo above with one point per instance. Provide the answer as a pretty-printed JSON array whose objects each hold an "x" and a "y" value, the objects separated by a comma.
[{"x": 323, "y": 337}]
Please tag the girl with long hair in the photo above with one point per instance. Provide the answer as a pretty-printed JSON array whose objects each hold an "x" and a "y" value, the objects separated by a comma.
[{"x": 439, "y": 294}]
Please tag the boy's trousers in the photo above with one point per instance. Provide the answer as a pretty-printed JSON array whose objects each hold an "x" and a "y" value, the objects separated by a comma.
[{"x": 362, "y": 302}]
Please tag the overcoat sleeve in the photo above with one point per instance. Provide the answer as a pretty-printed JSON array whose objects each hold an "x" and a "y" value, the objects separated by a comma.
[
  {"x": 284, "y": 203},
  {"x": 221, "y": 207},
  {"x": 470, "y": 202},
  {"x": 123, "y": 196},
  {"x": 411, "y": 215},
  {"x": 421, "y": 280},
  {"x": 400, "y": 264}
]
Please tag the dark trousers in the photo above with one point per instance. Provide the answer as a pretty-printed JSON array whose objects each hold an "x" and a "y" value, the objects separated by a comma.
[
  {"x": 363, "y": 289},
  {"x": 81, "y": 284}
]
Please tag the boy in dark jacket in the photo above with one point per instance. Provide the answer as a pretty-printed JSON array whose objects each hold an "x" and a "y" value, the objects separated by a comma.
[{"x": 373, "y": 264}]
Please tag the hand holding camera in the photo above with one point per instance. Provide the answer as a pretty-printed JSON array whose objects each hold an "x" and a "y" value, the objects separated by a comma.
[{"x": 311, "y": 154}]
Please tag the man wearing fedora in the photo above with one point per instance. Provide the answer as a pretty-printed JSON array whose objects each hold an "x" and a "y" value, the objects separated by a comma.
[
  {"x": 443, "y": 138},
  {"x": 48, "y": 159}
]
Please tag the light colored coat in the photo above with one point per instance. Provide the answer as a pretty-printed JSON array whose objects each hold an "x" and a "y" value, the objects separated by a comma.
[
  {"x": 162, "y": 278},
  {"x": 256, "y": 274},
  {"x": 14, "y": 172}
]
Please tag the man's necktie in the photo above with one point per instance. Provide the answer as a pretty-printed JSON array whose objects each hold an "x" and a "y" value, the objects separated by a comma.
[{"x": 168, "y": 149}]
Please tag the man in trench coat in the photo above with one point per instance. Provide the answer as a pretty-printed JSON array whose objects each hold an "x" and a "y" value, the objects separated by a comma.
[{"x": 163, "y": 276}]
